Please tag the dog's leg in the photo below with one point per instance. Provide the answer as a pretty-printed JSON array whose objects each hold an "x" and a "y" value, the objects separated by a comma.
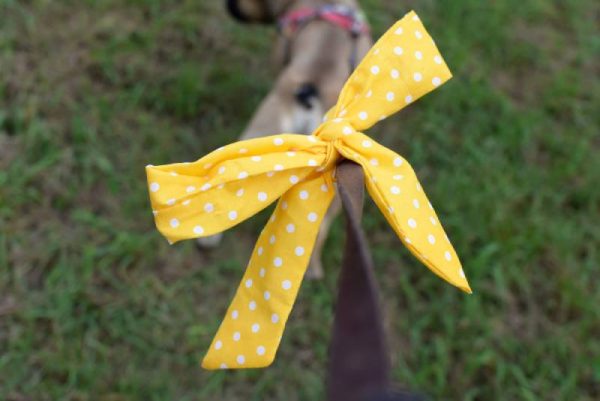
[
  {"x": 329, "y": 94},
  {"x": 210, "y": 242},
  {"x": 315, "y": 266},
  {"x": 272, "y": 117},
  {"x": 275, "y": 115}
]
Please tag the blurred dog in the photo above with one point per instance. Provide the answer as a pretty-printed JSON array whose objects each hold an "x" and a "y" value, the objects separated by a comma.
[{"x": 319, "y": 44}]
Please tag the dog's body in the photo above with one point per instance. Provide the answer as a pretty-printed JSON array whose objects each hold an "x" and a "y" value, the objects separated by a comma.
[
  {"x": 314, "y": 64},
  {"x": 318, "y": 56}
]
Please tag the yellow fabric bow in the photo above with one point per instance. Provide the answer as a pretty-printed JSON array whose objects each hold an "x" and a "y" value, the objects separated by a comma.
[{"x": 234, "y": 182}]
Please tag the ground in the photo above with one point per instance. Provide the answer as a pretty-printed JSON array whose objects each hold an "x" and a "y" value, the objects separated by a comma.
[{"x": 95, "y": 305}]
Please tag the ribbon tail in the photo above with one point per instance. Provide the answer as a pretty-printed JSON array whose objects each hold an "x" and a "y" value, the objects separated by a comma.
[
  {"x": 252, "y": 328},
  {"x": 393, "y": 185}
]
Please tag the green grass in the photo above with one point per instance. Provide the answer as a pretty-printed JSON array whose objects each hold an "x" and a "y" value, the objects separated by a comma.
[{"x": 95, "y": 306}]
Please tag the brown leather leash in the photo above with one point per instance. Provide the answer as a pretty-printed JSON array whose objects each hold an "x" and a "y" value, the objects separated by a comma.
[{"x": 359, "y": 364}]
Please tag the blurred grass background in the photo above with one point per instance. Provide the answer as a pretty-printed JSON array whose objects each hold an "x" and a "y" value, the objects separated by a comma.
[{"x": 94, "y": 305}]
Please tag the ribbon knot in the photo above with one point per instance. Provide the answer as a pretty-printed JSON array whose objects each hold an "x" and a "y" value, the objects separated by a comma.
[
  {"x": 235, "y": 182},
  {"x": 334, "y": 130}
]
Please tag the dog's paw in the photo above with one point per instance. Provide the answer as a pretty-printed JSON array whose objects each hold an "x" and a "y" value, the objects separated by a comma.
[
  {"x": 314, "y": 271},
  {"x": 210, "y": 242},
  {"x": 395, "y": 396}
]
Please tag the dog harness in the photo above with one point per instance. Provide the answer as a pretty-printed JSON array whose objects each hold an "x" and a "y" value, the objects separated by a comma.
[
  {"x": 340, "y": 15},
  {"x": 233, "y": 183}
]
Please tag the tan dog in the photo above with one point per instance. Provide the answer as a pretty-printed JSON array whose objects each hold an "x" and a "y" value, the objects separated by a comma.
[{"x": 315, "y": 60}]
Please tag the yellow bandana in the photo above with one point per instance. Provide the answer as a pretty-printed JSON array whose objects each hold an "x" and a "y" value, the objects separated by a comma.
[{"x": 234, "y": 182}]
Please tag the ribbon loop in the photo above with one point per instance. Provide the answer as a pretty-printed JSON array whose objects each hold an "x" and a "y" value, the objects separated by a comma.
[
  {"x": 402, "y": 66},
  {"x": 235, "y": 182},
  {"x": 227, "y": 186}
]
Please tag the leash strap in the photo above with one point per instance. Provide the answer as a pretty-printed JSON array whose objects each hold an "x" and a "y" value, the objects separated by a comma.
[{"x": 359, "y": 363}]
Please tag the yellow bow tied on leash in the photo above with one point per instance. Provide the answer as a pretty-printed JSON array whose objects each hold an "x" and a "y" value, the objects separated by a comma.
[{"x": 235, "y": 182}]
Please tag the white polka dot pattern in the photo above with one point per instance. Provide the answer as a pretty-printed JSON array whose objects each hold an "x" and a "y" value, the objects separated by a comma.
[
  {"x": 236, "y": 181},
  {"x": 261, "y": 320},
  {"x": 405, "y": 67},
  {"x": 401, "y": 199}
]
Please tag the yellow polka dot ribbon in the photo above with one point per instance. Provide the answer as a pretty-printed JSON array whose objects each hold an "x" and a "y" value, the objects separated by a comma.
[{"x": 235, "y": 182}]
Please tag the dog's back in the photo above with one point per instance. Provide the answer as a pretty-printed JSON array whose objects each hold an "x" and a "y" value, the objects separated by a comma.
[{"x": 314, "y": 64}]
